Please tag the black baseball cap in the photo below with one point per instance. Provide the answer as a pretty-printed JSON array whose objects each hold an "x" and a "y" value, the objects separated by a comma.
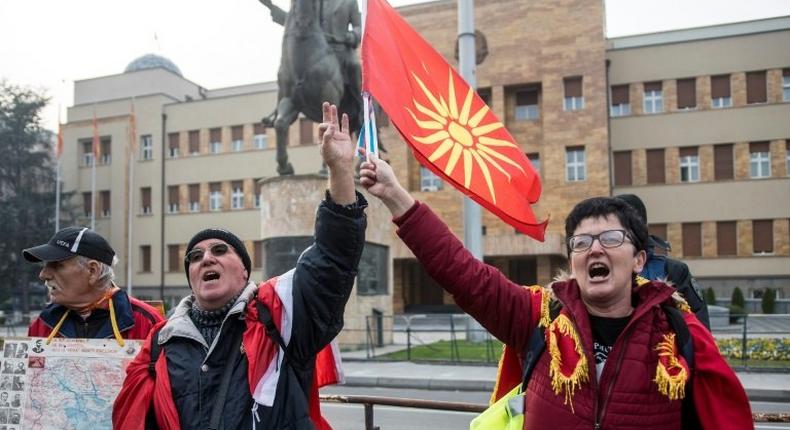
[{"x": 69, "y": 242}]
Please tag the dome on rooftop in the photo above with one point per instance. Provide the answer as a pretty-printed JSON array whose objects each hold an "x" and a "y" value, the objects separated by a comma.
[{"x": 152, "y": 61}]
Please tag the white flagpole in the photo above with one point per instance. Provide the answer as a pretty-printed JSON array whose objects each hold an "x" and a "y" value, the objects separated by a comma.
[
  {"x": 94, "y": 147},
  {"x": 130, "y": 193},
  {"x": 57, "y": 174}
]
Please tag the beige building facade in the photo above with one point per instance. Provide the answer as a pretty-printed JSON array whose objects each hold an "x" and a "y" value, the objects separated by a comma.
[
  {"x": 696, "y": 122},
  {"x": 700, "y": 130}
]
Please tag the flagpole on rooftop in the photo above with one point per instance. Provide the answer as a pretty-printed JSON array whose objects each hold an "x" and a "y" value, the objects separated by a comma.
[{"x": 473, "y": 235}]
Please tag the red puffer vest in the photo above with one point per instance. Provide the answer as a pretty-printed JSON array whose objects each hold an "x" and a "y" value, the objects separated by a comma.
[{"x": 626, "y": 397}]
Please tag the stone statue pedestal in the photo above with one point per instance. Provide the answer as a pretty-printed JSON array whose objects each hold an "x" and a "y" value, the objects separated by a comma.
[{"x": 287, "y": 224}]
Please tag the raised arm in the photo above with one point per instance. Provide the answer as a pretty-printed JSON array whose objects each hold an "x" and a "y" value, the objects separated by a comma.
[
  {"x": 278, "y": 15},
  {"x": 501, "y": 306},
  {"x": 325, "y": 272}
]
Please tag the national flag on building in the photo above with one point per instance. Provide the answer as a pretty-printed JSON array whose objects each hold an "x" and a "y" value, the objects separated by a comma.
[{"x": 449, "y": 128}]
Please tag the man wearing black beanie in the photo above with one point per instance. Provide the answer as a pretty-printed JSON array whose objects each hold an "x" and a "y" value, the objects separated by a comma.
[{"x": 239, "y": 355}]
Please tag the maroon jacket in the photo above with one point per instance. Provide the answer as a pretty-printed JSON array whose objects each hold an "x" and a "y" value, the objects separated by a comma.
[
  {"x": 626, "y": 396},
  {"x": 135, "y": 319}
]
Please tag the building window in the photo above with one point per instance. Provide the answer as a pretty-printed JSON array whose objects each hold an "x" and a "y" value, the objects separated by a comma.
[
  {"x": 237, "y": 138},
  {"x": 172, "y": 144},
  {"x": 574, "y": 100},
  {"x": 372, "y": 275},
  {"x": 692, "y": 239},
  {"x": 145, "y": 200},
  {"x": 87, "y": 153},
  {"x": 173, "y": 259},
  {"x": 786, "y": 85},
  {"x": 723, "y": 166},
  {"x": 172, "y": 199},
  {"x": 527, "y": 108},
  {"x": 622, "y": 168},
  {"x": 237, "y": 195},
  {"x": 215, "y": 196},
  {"x": 755, "y": 87},
  {"x": 257, "y": 254},
  {"x": 787, "y": 157},
  {"x": 194, "y": 142},
  {"x": 429, "y": 181},
  {"x": 104, "y": 200},
  {"x": 87, "y": 204},
  {"x": 575, "y": 169},
  {"x": 105, "y": 156},
  {"x": 621, "y": 105},
  {"x": 687, "y": 93},
  {"x": 259, "y": 137},
  {"x": 215, "y": 140},
  {"x": 689, "y": 165},
  {"x": 654, "y": 98},
  {"x": 726, "y": 238},
  {"x": 194, "y": 197},
  {"x": 720, "y": 91},
  {"x": 145, "y": 258},
  {"x": 306, "y": 131},
  {"x": 759, "y": 160},
  {"x": 485, "y": 95},
  {"x": 534, "y": 158},
  {"x": 656, "y": 173},
  {"x": 763, "y": 236},
  {"x": 146, "y": 147},
  {"x": 657, "y": 230}
]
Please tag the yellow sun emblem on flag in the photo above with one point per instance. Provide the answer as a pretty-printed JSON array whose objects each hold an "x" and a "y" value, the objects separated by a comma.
[{"x": 460, "y": 134}]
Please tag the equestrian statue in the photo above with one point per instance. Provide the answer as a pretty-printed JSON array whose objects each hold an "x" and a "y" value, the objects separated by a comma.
[{"x": 319, "y": 63}]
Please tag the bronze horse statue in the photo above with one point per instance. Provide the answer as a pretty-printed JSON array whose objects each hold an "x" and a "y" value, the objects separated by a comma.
[{"x": 309, "y": 74}]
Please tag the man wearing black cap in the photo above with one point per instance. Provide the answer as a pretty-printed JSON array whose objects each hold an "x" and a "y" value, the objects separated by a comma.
[
  {"x": 239, "y": 355},
  {"x": 84, "y": 300},
  {"x": 663, "y": 268}
]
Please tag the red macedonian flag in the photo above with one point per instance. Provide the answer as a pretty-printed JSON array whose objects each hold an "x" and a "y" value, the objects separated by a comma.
[{"x": 450, "y": 129}]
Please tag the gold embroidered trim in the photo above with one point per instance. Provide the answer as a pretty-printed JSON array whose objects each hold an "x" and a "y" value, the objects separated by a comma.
[
  {"x": 580, "y": 375},
  {"x": 672, "y": 386}
]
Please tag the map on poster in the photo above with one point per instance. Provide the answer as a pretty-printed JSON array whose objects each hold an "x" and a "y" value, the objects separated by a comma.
[{"x": 68, "y": 384}]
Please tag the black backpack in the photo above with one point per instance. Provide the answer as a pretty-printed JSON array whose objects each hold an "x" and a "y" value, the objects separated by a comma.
[{"x": 537, "y": 344}]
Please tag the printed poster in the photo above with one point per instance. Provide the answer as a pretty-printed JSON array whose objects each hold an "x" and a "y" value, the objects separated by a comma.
[{"x": 68, "y": 384}]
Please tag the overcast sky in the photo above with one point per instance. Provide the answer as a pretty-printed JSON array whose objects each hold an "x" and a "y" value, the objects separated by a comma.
[{"x": 48, "y": 44}]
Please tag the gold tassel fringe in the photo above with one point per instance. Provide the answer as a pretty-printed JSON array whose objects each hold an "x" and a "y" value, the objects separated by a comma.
[
  {"x": 559, "y": 382},
  {"x": 672, "y": 386}
]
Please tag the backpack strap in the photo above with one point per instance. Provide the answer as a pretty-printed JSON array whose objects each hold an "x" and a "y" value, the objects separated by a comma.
[
  {"x": 536, "y": 344},
  {"x": 156, "y": 349},
  {"x": 681, "y": 329},
  {"x": 265, "y": 317}
]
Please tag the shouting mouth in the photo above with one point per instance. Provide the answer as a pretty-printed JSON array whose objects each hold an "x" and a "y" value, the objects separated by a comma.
[
  {"x": 210, "y": 275},
  {"x": 598, "y": 271}
]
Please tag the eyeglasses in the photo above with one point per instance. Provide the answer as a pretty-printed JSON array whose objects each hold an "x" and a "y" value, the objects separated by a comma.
[
  {"x": 607, "y": 239},
  {"x": 197, "y": 254}
]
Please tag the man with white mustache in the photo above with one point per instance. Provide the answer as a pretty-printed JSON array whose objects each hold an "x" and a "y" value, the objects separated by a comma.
[{"x": 77, "y": 270}]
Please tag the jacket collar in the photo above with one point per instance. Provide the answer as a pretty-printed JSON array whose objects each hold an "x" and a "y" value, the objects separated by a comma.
[
  {"x": 181, "y": 325},
  {"x": 645, "y": 296},
  {"x": 52, "y": 314}
]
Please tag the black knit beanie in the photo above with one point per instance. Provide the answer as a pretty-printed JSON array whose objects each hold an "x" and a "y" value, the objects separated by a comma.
[{"x": 229, "y": 238}]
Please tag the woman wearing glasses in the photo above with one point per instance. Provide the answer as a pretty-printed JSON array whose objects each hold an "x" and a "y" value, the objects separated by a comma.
[{"x": 611, "y": 359}]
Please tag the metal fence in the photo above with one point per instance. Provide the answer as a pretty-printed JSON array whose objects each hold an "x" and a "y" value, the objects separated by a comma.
[{"x": 457, "y": 338}]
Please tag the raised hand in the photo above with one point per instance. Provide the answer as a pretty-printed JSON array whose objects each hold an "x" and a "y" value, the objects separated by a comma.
[
  {"x": 379, "y": 179},
  {"x": 337, "y": 148}
]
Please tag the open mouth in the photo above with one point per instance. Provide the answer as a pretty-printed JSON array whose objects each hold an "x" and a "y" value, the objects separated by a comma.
[
  {"x": 598, "y": 271},
  {"x": 210, "y": 276}
]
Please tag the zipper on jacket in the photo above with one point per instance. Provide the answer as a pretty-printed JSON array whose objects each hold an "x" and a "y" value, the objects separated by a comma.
[{"x": 599, "y": 414}]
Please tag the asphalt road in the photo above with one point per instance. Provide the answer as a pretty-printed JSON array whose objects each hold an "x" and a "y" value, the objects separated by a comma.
[{"x": 352, "y": 417}]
